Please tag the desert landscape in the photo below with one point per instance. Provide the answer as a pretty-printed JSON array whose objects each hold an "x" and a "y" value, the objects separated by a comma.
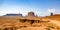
[
  {"x": 29, "y": 14},
  {"x": 30, "y": 22}
]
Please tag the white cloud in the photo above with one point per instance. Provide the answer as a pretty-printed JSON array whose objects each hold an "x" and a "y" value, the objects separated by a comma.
[{"x": 50, "y": 10}]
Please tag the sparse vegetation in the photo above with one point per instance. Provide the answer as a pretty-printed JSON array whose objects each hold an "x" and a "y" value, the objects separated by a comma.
[
  {"x": 0, "y": 28},
  {"x": 49, "y": 27}
]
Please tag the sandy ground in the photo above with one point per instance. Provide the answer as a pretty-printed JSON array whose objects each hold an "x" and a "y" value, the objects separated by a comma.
[
  {"x": 33, "y": 28},
  {"x": 13, "y": 20},
  {"x": 55, "y": 22}
]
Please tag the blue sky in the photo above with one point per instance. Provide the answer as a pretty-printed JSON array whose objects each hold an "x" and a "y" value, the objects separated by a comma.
[{"x": 40, "y": 7}]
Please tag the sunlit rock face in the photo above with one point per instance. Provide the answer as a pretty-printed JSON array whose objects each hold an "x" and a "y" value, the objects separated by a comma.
[{"x": 31, "y": 14}]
